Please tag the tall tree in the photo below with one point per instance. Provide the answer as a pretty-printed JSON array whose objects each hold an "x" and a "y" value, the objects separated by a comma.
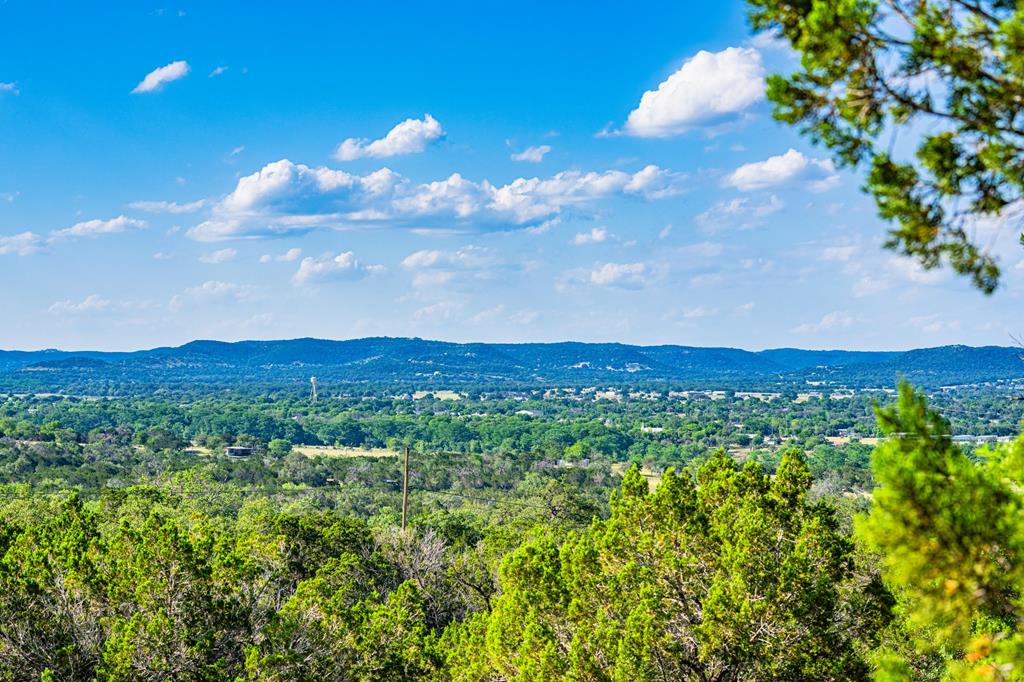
[{"x": 949, "y": 74}]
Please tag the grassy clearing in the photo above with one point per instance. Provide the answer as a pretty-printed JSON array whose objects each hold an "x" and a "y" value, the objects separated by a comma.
[
  {"x": 330, "y": 451},
  {"x": 653, "y": 477}
]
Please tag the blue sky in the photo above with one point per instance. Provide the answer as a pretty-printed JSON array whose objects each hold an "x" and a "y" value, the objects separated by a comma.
[{"x": 461, "y": 172}]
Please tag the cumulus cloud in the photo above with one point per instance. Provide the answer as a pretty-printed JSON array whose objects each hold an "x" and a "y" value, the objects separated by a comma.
[
  {"x": 818, "y": 175},
  {"x": 22, "y": 244},
  {"x": 284, "y": 197},
  {"x": 288, "y": 256},
  {"x": 411, "y": 136},
  {"x": 738, "y": 214},
  {"x": 172, "y": 207},
  {"x": 710, "y": 88},
  {"x": 95, "y": 228},
  {"x": 837, "y": 319},
  {"x": 220, "y": 256},
  {"x": 330, "y": 267},
  {"x": 621, "y": 275},
  {"x": 594, "y": 236},
  {"x": 532, "y": 154},
  {"x": 157, "y": 78},
  {"x": 10, "y": 87}
]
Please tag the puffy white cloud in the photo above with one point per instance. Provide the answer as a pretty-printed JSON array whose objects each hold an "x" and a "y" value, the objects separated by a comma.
[
  {"x": 284, "y": 197},
  {"x": 738, "y": 214},
  {"x": 835, "y": 320},
  {"x": 532, "y": 154},
  {"x": 622, "y": 275},
  {"x": 157, "y": 78},
  {"x": 95, "y": 228},
  {"x": 10, "y": 87},
  {"x": 21, "y": 244},
  {"x": 219, "y": 256},
  {"x": 710, "y": 88},
  {"x": 330, "y": 267},
  {"x": 411, "y": 136},
  {"x": 818, "y": 174},
  {"x": 172, "y": 207},
  {"x": 594, "y": 236},
  {"x": 288, "y": 256}
]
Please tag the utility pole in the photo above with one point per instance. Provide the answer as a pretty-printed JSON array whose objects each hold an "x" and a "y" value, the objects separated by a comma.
[{"x": 405, "y": 487}]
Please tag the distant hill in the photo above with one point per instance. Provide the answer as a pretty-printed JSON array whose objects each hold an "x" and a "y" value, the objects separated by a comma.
[{"x": 410, "y": 361}]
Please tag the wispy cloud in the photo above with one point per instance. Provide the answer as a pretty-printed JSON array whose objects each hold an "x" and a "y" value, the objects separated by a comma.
[
  {"x": 172, "y": 207},
  {"x": 95, "y": 228},
  {"x": 532, "y": 154},
  {"x": 157, "y": 78},
  {"x": 22, "y": 244}
]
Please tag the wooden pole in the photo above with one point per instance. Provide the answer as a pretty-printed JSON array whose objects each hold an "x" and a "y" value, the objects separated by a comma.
[{"x": 405, "y": 487}]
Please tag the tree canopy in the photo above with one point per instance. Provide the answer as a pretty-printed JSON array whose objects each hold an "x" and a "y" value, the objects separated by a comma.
[{"x": 946, "y": 74}]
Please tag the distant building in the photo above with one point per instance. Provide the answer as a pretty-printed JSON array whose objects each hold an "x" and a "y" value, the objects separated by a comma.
[{"x": 237, "y": 451}]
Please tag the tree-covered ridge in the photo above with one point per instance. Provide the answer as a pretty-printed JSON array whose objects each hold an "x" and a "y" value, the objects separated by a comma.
[
  {"x": 722, "y": 571},
  {"x": 414, "y": 364}
]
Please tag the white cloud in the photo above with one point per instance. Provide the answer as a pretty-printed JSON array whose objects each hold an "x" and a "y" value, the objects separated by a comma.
[
  {"x": 220, "y": 256},
  {"x": 710, "y": 88},
  {"x": 288, "y": 256},
  {"x": 595, "y": 236},
  {"x": 466, "y": 258},
  {"x": 411, "y": 136},
  {"x": 212, "y": 291},
  {"x": 160, "y": 255},
  {"x": 933, "y": 324},
  {"x": 91, "y": 304},
  {"x": 835, "y": 320},
  {"x": 842, "y": 254},
  {"x": 10, "y": 87},
  {"x": 745, "y": 308},
  {"x": 532, "y": 154},
  {"x": 330, "y": 267},
  {"x": 665, "y": 232},
  {"x": 621, "y": 275},
  {"x": 284, "y": 197},
  {"x": 698, "y": 311},
  {"x": 703, "y": 249},
  {"x": 817, "y": 174},
  {"x": 432, "y": 278},
  {"x": 172, "y": 207},
  {"x": 22, "y": 244},
  {"x": 437, "y": 312},
  {"x": 95, "y": 228},
  {"x": 157, "y": 78},
  {"x": 218, "y": 71},
  {"x": 738, "y": 214}
]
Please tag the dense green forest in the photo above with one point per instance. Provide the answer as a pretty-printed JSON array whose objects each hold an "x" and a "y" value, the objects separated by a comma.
[{"x": 574, "y": 536}]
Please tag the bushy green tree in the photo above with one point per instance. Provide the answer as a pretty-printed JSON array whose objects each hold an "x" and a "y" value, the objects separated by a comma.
[
  {"x": 951, "y": 534},
  {"x": 733, "y": 576}
]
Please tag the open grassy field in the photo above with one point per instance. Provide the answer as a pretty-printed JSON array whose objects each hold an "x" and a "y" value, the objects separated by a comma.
[
  {"x": 653, "y": 477},
  {"x": 330, "y": 451}
]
